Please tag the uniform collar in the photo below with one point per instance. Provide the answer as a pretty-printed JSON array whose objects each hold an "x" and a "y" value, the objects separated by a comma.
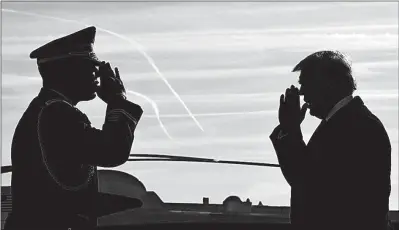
[
  {"x": 338, "y": 106},
  {"x": 56, "y": 93}
]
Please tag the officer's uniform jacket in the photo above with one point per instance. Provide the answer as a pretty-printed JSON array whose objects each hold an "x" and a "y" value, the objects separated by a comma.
[
  {"x": 341, "y": 178},
  {"x": 55, "y": 153}
]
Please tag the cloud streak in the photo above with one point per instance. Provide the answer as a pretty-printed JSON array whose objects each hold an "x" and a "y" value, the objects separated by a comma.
[
  {"x": 156, "y": 110},
  {"x": 139, "y": 47},
  {"x": 344, "y": 31},
  {"x": 269, "y": 96}
]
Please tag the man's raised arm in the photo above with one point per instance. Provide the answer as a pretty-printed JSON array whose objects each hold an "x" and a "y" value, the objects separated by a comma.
[
  {"x": 287, "y": 137},
  {"x": 290, "y": 151}
]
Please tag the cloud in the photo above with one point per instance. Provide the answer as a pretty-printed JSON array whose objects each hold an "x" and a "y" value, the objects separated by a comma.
[
  {"x": 245, "y": 98},
  {"x": 228, "y": 40},
  {"x": 359, "y": 30},
  {"x": 30, "y": 38},
  {"x": 202, "y": 141},
  {"x": 14, "y": 80},
  {"x": 345, "y": 31},
  {"x": 259, "y": 42}
]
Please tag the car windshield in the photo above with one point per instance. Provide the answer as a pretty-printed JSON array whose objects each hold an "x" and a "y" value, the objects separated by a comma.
[{"x": 208, "y": 76}]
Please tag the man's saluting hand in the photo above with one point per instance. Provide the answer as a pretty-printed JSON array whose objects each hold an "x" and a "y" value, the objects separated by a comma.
[{"x": 290, "y": 113}]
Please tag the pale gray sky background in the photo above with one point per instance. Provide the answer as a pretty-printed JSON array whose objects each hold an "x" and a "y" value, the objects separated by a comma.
[{"x": 228, "y": 61}]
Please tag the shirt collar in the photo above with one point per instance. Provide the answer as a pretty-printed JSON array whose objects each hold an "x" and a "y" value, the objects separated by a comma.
[
  {"x": 338, "y": 106},
  {"x": 62, "y": 95}
]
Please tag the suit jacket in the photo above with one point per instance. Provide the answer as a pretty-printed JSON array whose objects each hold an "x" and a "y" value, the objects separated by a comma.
[
  {"x": 341, "y": 178},
  {"x": 55, "y": 153}
]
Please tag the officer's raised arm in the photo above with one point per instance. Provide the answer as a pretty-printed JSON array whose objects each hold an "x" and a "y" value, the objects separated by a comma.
[{"x": 79, "y": 141}]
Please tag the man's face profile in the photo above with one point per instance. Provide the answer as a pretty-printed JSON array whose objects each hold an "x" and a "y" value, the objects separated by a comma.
[
  {"x": 82, "y": 78},
  {"x": 312, "y": 89}
]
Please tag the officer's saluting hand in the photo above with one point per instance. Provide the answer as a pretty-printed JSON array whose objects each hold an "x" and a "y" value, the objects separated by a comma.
[{"x": 111, "y": 83}]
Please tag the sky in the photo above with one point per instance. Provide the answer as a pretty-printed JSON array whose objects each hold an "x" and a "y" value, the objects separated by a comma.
[{"x": 214, "y": 71}]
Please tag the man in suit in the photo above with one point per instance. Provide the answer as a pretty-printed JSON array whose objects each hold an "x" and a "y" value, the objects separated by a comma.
[
  {"x": 341, "y": 178},
  {"x": 55, "y": 150}
]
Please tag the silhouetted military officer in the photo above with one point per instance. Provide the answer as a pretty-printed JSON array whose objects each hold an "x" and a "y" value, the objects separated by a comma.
[{"x": 55, "y": 150}]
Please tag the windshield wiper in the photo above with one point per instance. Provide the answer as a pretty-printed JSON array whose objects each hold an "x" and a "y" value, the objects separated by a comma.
[{"x": 163, "y": 157}]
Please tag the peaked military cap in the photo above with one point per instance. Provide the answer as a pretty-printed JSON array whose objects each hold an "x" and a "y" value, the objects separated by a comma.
[{"x": 78, "y": 44}]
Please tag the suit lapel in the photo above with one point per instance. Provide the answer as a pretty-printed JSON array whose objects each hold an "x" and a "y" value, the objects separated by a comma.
[
  {"x": 324, "y": 138},
  {"x": 337, "y": 118},
  {"x": 316, "y": 132}
]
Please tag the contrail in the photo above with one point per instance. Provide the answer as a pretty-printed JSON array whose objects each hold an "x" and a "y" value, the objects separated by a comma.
[
  {"x": 139, "y": 47},
  {"x": 154, "y": 105}
]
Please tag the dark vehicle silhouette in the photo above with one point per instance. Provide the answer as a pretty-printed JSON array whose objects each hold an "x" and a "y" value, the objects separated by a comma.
[{"x": 116, "y": 187}]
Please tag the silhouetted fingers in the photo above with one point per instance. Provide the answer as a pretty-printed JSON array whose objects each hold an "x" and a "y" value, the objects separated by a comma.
[
  {"x": 281, "y": 99},
  {"x": 287, "y": 92},
  {"x": 117, "y": 73},
  {"x": 106, "y": 70},
  {"x": 296, "y": 90},
  {"x": 109, "y": 70},
  {"x": 289, "y": 95},
  {"x": 295, "y": 95},
  {"x": 101, "y": 71},
  {"x": 292, "y": 99}
]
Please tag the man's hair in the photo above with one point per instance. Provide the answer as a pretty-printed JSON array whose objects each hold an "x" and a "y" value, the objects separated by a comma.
[{"x": 333, "y": 64}]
